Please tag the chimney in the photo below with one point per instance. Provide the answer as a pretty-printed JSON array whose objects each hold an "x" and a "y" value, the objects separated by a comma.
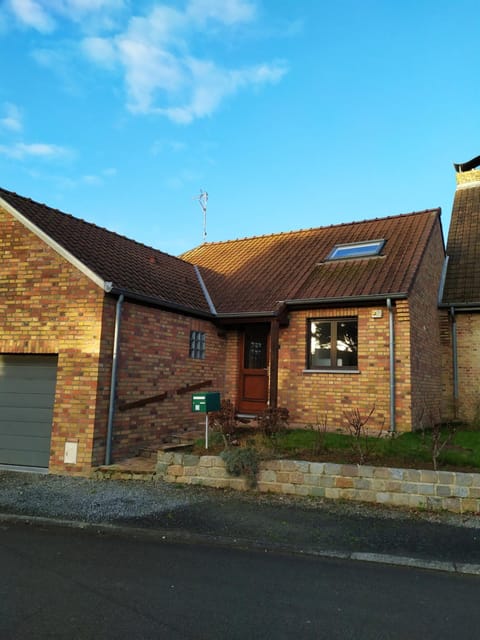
[{"x": 468, "y": 175}]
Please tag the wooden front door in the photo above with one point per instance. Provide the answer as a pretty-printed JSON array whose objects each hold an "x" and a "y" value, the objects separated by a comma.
[{"x": 253, "y": 387}]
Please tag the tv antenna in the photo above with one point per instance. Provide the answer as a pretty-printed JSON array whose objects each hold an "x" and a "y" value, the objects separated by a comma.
[{"x": 202, "y": 201}]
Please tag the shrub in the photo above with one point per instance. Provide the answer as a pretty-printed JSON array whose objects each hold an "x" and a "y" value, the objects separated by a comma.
[
  {"x": 356, "y": 426},
  {"x": 242, "y": 461},
  {"x": 224, "y": 421},
  {"x": 319, "y": 431},
  {"x": 273, "y": 420}
]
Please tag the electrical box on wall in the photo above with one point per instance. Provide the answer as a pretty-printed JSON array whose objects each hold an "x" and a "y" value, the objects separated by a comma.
[
  {"x": 70, "y": 455},
  {"x": 377, "y": 313}
]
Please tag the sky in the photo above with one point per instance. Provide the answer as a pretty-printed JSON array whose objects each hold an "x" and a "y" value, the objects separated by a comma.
[{"x": 289, "y": 113}]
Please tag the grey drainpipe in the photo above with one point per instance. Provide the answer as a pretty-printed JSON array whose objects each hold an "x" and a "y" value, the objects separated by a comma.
[
  {"x": 392, "y": 428},
  {"x": 455, "y": 360},
  {"x": 113, "y": 380}
]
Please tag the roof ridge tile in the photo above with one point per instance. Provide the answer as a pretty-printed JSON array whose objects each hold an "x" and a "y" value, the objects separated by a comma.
[
  {"x": 308, "y": 229},
  {"x": 90, "y": 224}
]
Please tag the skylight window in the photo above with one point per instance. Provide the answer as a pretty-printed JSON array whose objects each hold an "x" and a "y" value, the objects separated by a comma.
[{"x": 356, "y": 250}]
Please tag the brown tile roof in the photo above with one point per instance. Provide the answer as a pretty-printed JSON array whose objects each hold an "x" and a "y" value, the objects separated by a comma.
[
  {"x": 130, "y": 266},
  {"x": 462, "y": 283},
  {"x": 256, "y": 274}
]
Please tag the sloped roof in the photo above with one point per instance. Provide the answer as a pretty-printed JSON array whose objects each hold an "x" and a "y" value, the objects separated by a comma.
[
  {"x": 462, "y": 282},
  {"x": 251, "y": 275},
  {"x": 257, "y": 274},
  {"x": 130, "y": 266}
]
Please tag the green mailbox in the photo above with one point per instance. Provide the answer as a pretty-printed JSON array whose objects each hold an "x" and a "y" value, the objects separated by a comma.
[{"x": 205, "y": 402}]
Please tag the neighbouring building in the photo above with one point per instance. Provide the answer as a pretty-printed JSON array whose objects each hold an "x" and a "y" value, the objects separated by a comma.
[{"x": 460, "y": 308}]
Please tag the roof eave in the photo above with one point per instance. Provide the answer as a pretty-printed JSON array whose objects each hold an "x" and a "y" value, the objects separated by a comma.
[
  {"x": 78, "y": 264},
  {"x": 346, "y": 300},
  {"x": 461, "y": 306},
  {"x": 163, "y": 304}
]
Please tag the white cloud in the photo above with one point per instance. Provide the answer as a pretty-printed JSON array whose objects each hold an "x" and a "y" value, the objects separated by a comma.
[
  {"x": 159, "y": 146},
  {"x": 212, "y": 84},
  {"x": 22, "y": 150},
  {"x": 92, "y": 180},
  {"x": 161, "y": 74},
  {"x": 12, "y": 120},
  {"x": 226, "y": 11},
  {"x": 31, "y": 14},
  {"x": 95, "y": 180},
  {"x": 44, "y": 15},
  {"x": 100, "y": 50},
  {"x": 155, "y": 52}
]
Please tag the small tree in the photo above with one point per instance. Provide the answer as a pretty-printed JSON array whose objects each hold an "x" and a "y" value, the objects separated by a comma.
[
  {"x": 224, "y": 421},
  {"x": 439, "y": 437},
  {"x": 319, "y": 429},
  {"x": 273, "y": 420},
  {"x": 356, "y": 427}
]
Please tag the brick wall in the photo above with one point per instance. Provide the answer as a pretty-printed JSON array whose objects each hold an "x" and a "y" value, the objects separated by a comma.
[
  {"x": 468, "y": 356},
  {"x": 310, "y": 396},
  {"x": 426, "y": 358},
  {"x": 154, "y": 358},
  {"x": 48, "y": 307},
  {"x": 448, "y": 403}
]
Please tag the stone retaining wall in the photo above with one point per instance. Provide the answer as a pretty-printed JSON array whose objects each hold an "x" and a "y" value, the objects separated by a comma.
[{"x": 439, "y": 490}]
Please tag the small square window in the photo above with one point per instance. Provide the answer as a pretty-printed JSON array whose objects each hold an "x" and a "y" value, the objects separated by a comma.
[
  {"x": 332, "y": 344},
  {"x": 356, "y": 250},
  {"x": 197, "y": 345}
]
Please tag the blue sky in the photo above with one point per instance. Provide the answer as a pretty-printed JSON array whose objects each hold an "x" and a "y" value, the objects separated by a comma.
[{"x": 290, "y": 113}]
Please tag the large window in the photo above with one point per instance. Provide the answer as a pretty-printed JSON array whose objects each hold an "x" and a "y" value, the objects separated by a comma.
[
  {"x": 332, "y": 344},
  {"x": 197, "y": 345}
]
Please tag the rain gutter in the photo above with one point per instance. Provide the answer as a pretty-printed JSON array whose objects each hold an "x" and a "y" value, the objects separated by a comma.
[
  {"x": 367, "y": 299},
  {"x": 113, "y": 379},
  {"x": 169, "y": 306},
  {"x": 392, "y": 428}
]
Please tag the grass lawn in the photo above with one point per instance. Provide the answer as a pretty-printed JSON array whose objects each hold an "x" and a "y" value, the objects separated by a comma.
[{"x": 410, "y": 450}]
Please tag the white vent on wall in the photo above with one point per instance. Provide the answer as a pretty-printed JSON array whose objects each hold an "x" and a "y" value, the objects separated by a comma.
[{"x": 377, "y": 313}]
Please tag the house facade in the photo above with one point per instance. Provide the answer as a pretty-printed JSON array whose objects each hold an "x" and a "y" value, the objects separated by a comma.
[
  {"x": 330, "y": 320},
  {"x": 103, "y": 340}
]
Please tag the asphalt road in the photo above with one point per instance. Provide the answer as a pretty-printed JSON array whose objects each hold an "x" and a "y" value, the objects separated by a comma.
[
  {"x": 64, "y": 583},
  {"x": 175, "y": 513}
]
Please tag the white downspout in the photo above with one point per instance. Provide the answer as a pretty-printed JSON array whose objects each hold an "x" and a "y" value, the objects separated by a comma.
[
  {"x": 392, "y": 429},
  {"x": 113, "y": 380}
]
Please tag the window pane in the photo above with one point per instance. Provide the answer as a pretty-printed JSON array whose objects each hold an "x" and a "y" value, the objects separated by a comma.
[
  {"x": 255, "y": 355},
  {"x": 347, "y": 343},
  {"x": 320, "y": 344},
  {"x": 332, "y": 343},
  {"x": 357, "y": 250},
  {"x": 197, "y": 345}
]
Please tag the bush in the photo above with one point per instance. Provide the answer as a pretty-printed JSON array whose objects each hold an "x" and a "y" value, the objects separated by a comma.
[
  {"x": 242, "y": 461},
  {"x": 224, "y": 421},
  {"x": 273, "y": 420}
]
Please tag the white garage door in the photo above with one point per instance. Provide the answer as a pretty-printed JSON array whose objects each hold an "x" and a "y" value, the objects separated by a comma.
[{"x": 27, "y": 396}]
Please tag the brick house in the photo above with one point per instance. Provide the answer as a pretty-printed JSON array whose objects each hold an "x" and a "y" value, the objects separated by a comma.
[
  {"x": 68, "y": 290},
  {"x": 327, "y": 320},
  {"x": 460, "y": 303},
  {"x": 102, "y": 339}
]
